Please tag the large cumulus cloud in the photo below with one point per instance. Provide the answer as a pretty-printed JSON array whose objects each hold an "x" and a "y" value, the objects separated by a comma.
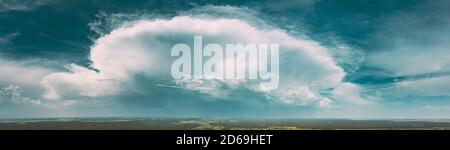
[{"x": 142, "y": 49}]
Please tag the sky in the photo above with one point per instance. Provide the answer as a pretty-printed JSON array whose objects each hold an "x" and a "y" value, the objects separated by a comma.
[{"x": 338, "y": 58}]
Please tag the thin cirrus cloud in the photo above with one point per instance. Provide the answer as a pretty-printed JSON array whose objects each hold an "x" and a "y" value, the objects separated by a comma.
[
  {"x": 416, "y": 52},
  {"x": 19, "y": 5}
]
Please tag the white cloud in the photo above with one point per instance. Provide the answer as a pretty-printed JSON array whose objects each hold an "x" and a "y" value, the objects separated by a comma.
[
  {"x": 79, "y": 81},
  {"x": 5, "y": 39},
  {"x": 144, "y": 48},
  {"x": 300, "y": 95},
  {"x": 349, "y": 92},
  {"x": 417, "y": 46},
  {"x": 21, "y": 5},
  {"x": 414, "y": 41},
  {"x": 24, "y": 73},
  {"x": 436, "y": 86},
  {"x": 20, "y": 84},
  {"x": 12, "y": 94},
  {"x": 410, "y": 60}
]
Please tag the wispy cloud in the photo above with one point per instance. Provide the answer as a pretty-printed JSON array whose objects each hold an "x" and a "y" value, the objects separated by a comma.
[{"x": 21, "y": 5}]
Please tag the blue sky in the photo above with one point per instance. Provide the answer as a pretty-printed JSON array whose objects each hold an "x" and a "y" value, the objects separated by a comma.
[{"x": 339, "y": 59}]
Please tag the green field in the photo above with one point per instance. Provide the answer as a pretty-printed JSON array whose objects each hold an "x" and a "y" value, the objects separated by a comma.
[{"x": 219, "y": 124}]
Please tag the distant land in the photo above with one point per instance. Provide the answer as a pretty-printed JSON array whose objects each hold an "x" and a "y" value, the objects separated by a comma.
[{"x": 220, "y": 124}]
